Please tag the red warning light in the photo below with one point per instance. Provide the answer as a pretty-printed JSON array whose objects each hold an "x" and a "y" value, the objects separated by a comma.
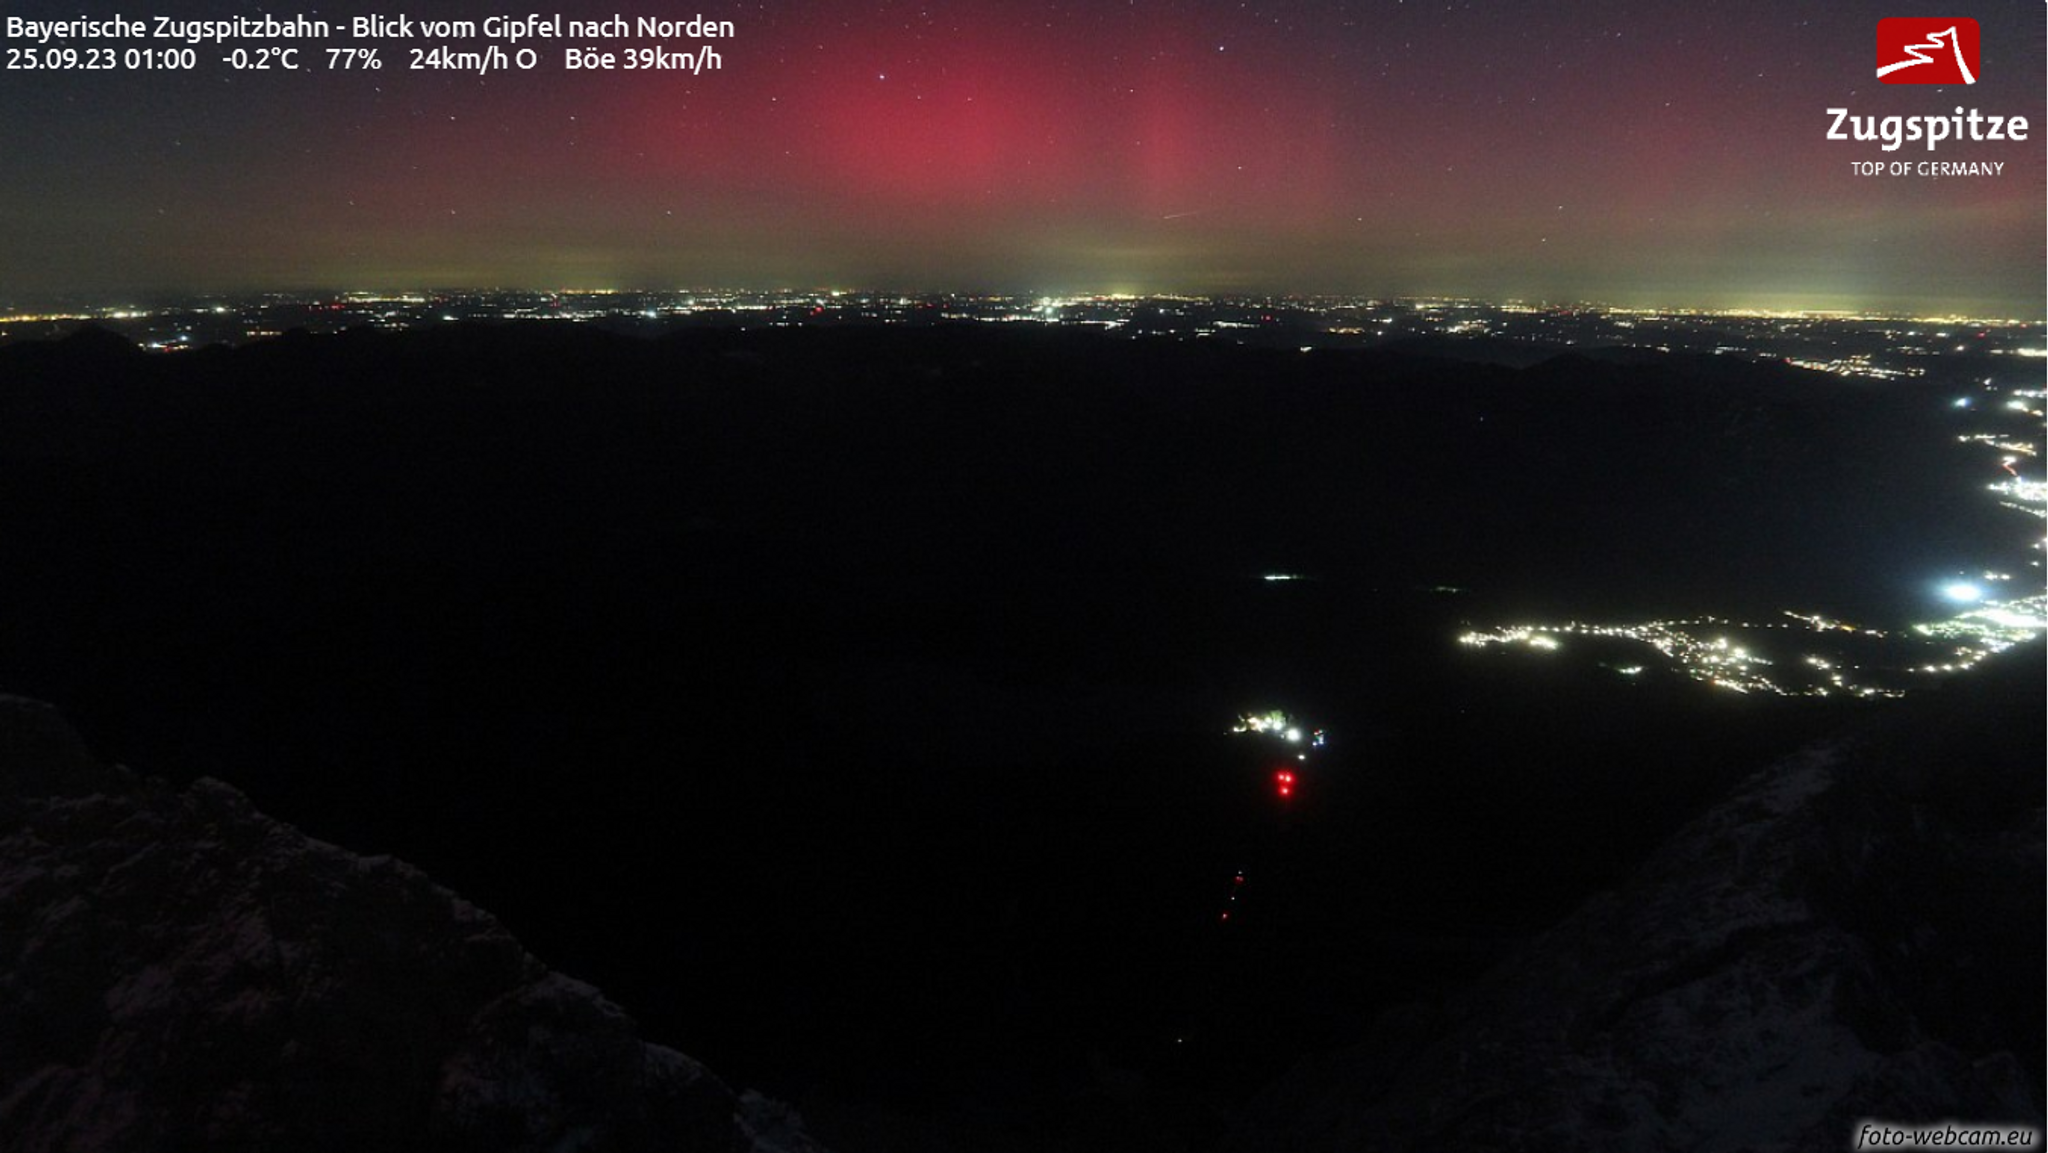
[{"x": 1283, "y": 780}]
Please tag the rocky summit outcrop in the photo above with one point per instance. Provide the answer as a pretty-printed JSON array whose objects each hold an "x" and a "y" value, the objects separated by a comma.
[
  {"x": 1854, "y": 934},
  {"x": 179, "y": 971}
]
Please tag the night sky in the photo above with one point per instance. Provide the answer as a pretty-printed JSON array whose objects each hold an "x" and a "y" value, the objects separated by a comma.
[{"x": 1626, "y": 152}]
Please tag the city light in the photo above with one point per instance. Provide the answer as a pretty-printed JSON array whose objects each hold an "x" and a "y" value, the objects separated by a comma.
[{"x": 1862, "y": 346}]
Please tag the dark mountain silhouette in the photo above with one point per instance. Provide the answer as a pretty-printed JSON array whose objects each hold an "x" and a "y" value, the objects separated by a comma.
[
  {"x": 183, "y": 972},
  {"x": 1852, "y": 934}
]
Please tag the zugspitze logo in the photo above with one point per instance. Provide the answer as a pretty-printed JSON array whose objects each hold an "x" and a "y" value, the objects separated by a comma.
[{"x": 1927, "y": 50}]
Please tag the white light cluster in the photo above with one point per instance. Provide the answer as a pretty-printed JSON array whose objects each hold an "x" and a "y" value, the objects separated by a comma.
[
  {"x": 1280, "y": 725},
  {"x": 2001, "y": 443},
  {"x": 1950, "y": 646},
  {"x": 2027, "y": 496},
  {"x": 1987, "y": 629},
  {"x": 1713, "y": 659},
  {"x": 1273, "y": 722},
  {"x": 1860, "y": 364}
]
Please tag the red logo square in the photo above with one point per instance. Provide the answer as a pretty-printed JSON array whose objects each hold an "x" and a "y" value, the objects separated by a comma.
[{"x": 1927, "y": 50}]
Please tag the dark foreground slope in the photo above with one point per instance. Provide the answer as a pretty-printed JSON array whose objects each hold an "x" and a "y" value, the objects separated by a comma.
[
  {"x": 879, "y": 680},
  {"x": 182, "y": 972},
  {"x": 1853, "y": 934}
]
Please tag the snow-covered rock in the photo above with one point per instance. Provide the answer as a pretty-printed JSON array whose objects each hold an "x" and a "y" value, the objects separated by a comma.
[
  {"x": 1855, "y": 933},
  {"x": 179, "y": 971}
]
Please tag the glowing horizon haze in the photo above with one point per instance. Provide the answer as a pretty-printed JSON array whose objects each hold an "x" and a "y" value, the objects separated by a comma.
[{"x": 1629, "y": 153}]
